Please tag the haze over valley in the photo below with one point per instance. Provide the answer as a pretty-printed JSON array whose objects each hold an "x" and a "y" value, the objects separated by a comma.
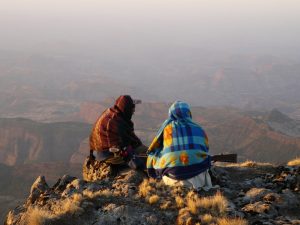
[{"x": 62, "y": 63}]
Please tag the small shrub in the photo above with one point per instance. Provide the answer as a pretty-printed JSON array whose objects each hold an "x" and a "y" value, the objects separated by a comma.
[
  {"x": 219, "y": 203},
  {"x": 250, "y": 163},
  {"x": 184, "y": 215},
  {"x": 207, "y": 218},
  {"x": 294, "y": 162},
  {"x": 166, "y": 205},
  {"x": 89, "y": 194},
  {"x": 145, "y": 188},
  {"x": 189, "y": 221},
  {"x": 192, "y": 206},
  {"x": 153, "y": 199},
  {"x": 216, "y": 204},
  {"x": 77, "y": 197},
  {"x": 106, "y": 193},
  {"x": 37, "y": 216},
  {"x": 69, "y": 206},
  {"x": 179, "y": 202},
  {"x": 101, "y": 193},
  {"x": 228, "y": 221}
]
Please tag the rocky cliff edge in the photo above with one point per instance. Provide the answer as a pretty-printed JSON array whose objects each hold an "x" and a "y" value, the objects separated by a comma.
[{"x": 247, "y": 193}]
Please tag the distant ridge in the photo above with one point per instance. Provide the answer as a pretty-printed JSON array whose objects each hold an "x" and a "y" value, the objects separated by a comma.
[
  {"x": 26, "y": 141},
  {"x": 276, "y": 116}
]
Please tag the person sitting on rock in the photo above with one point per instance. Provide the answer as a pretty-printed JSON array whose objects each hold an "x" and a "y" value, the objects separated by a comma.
[
  {"x": 179, "y": 152},
  {"x": 113, "y": 139}
]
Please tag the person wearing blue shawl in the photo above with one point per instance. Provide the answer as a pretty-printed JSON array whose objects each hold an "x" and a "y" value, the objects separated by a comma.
[{"x": 179, "y": 152}]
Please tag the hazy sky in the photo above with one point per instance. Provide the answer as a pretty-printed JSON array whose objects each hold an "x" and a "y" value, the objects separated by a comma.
[
  {"x": 237, "y": 25},
  {"x": 152, "y": 45}
]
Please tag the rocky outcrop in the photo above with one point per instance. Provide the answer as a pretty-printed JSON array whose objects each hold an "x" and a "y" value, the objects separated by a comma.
[
  {"x": 252, "y": 139},
  {"x": 242, "y": 195},
  {"x": 282, "y": 123}
]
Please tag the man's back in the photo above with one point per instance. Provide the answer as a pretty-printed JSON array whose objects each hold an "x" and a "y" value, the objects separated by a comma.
[
  {"x": 113, "y": 128},
  {"x": 107, "y": 131}
]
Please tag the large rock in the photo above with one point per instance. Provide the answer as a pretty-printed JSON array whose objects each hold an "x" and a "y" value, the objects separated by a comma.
[{"x": 39, "y": 187}]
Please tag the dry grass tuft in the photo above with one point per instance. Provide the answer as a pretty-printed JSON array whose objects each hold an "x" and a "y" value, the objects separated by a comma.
[
  {"x": 106, "y": 193},
  {"x": 216, "y": 204},
  {"x": 206, "y": 218},
  {"x": 190, "y": 221},
  {"x": 166, "y": 205},
  {"x": 219, "y": 203},
  {"x": 183, "y": 216},
  {"x": 145, "y": 188},
  {"x": 77, "y": 197},
  {"x": 294, "y": 162},
  {"x": 192, "y": 195},
  {"x": 192, "y": 206},
  {"x": 101, "y": 193},
  {"x": 179, "y": 202},
  {"x": 153, "y": 199},
  {"x": 236, "y": 221},
  {"x": 71, "y": 207},
  {"x": 250, "y": 163},
  {"x": 37, "y": 216},
  {"x": 89, "y": 194}
]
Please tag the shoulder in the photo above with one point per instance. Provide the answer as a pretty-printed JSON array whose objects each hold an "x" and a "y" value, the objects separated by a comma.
[{"x": 199, "y": 130}]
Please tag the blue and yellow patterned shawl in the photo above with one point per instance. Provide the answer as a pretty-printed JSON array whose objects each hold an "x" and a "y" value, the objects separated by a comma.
[{"x": 180, "y": 148}]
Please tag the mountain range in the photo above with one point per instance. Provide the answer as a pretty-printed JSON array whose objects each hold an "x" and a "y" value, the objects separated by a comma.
[
  {"x": 251, "y": 82},
  {"x": 259, "y": 136}
]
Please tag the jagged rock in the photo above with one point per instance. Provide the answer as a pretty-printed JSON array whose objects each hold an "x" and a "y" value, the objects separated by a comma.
[
  {"x": 289, "y": 200},
  {"x": 272, "y": 197},
  {"x": 76, "y": 186},
  {"x": 281, "y": 220},
  {"x": 62, "y": 183},
  {"x": 73, "y": 201},
  {"x": 124, "y": 214},
  {"x": 295, "y": 222},
  {"x": 152, "y": 220},
  {"x": 94, "y": 187},
  {"x": 258, "y": 182},
  {"x": 14, "y": 216},
  {"x": 241, "y": 201},
  {"x": 260, "y": 208},
  {"x": 287, "y": 177},
  {"x": 297, "y": 188},
  {"x": 38, "y": 187},
  {"x": 256, "y": 194},
  {"x": 218, "y": 175},
  {"x": 131, "y": 176},
  {"x": 125, "y": 183}
]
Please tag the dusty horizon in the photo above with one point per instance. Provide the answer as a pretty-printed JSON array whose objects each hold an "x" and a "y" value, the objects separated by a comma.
[{"x": 230, "y": 25}]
